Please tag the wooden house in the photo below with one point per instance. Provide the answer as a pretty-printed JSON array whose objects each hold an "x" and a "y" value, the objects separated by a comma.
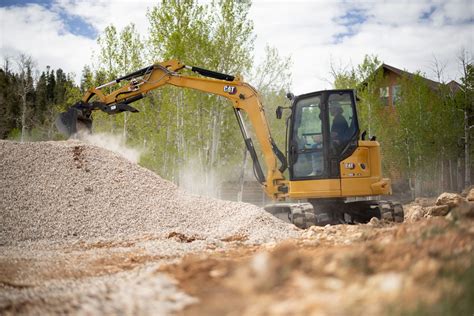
[{"x": 390, "y": 89}]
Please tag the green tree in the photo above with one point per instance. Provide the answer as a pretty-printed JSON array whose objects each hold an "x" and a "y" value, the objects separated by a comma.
[
  {"x": 120, "y": 53},
  {"x": 418, "y": 135},
  {"x": 185, "y": 131},
  {"x": 272, "y": 78},
  {"x": 9, "y": 100},
  {"x": 87, "y": 79},
  {"x": 26, "y": 92},
  {"x": 466, "y": 105},
  {"x": 200, "y": 127}
]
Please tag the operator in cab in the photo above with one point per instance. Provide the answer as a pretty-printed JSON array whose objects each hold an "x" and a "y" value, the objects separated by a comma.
[{"x": 339, "y": 126}]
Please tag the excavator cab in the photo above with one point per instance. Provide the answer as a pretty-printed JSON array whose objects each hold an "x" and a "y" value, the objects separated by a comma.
[
  {"x": 334, "y": 176},
  {"x": 323, "y": 131}
]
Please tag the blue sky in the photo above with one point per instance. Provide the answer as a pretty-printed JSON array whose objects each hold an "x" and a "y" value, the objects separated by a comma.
[{"x": 404, "y": 33}]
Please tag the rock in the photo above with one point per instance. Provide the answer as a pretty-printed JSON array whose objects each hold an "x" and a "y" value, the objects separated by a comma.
[
  {"x": 375, "y": 222},
  {"x": 127, "y": 200},
  {"x": 438, "y": 210},
  {"x": 450, "y": 199},
  {"x": 386, "y": 283},
  {"x": 463, "y": 210},
  {"x": 470, "y": 195},
  {"x": 466, "y": 191},
  {"x": 414, "y": 213},
  {"x": 450, "y": 217}
]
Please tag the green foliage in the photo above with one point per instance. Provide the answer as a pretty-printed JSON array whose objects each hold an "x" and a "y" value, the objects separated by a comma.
[
  {"x": 9, "y": 101},
  {"x": 184, "y": 129},
  {"x": 14, "y": 134},
  {"x": 28, "y": 105},
  {"x": 180, "y": 130},
  {"x": 198, "y": 126},
  {"x": 417, "y": 135}
]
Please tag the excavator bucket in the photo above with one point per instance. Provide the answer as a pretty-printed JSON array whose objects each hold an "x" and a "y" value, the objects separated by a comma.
[
  {"x": 73, "y": 121},
  {"x": 78, "y": 118}
]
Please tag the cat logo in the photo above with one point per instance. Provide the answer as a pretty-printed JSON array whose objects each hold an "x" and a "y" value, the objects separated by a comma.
[{"x": 230, "y": 89}]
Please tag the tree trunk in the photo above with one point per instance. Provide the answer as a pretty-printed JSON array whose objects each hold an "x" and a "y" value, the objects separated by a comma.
[
  {"x": 410, "y": 182},
  {"x": 179, "y": 131},
  {"x": 165, "y": 150},
  {"x": 451, "y": 180},
  {"x": 441, "y": 182},
  {"x": 460, "y": 175},
  {"x": 23, "y": 117},
  {"x": 216, "y": 124},
  {"x": 467, "y": 159},
  {"x": 370, "y": 119},
  {"x": 418, "y": 186}
]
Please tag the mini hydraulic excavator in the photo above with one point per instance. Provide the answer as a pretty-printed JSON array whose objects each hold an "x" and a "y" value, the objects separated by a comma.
[{"x": 334, "y": 173}]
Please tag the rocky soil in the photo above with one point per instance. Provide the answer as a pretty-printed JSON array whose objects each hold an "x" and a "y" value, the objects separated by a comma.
[{"x": 85, "y": 231}]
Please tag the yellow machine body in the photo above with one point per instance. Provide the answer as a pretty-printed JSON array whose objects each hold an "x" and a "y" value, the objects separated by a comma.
[{"x": 361, "y": 175}]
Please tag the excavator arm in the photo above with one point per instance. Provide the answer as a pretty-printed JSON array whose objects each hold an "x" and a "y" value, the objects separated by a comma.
[{"x": 242, "y": 96}]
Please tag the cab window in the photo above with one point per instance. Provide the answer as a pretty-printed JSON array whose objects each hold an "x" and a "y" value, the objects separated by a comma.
[{"x": 341, "y": 119}]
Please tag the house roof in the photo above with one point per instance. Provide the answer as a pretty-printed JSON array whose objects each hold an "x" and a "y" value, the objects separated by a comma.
[
  {"x": 432, "y": 84},
  {"x": 453, "y": 85}
]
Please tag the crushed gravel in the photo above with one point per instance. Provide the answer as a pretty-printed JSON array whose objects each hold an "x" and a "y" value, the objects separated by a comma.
[
  {"x": 69, "y": 190},
  {"x": 83, "y": 231},
  {"x": 140, "y": 292}
]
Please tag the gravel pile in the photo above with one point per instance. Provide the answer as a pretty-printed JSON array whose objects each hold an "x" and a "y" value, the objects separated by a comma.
[
  {"x": 139, "y": 292},
  {"x": 69, "y": 190}
]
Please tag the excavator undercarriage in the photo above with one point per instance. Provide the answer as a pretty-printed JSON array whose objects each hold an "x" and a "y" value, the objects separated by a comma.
[{"x": 336, "y": 211}]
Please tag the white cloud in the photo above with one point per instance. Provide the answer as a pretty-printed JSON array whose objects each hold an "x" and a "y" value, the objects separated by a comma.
[
  {"x": 306, "y": 30},
  {"x": 393, "y": 30},
  {"x": 101, "y": 13},
  {"x": 40, "y": 33}
]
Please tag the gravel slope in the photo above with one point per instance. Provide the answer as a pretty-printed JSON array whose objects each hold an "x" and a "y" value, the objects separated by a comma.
[{"x": 70, "y": 190}]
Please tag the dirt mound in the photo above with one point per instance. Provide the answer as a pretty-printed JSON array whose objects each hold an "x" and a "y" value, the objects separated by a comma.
[
  {"x": 70, "y": 190},
  {"x": 401, "y": 269}
]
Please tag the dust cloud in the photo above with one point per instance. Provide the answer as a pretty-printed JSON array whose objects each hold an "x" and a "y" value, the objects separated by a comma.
[
  {"x": 193, "y": 179},
  {"x": 114, "y": 143}
]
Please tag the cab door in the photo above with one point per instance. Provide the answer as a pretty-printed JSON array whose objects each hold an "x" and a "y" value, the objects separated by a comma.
[{"x": 307, "y": 150}]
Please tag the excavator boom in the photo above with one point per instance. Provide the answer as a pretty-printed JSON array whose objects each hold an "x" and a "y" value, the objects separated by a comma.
[{"x": 242, "y": 96}]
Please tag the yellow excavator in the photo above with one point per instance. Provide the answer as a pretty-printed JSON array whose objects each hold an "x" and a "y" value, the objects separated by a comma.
[{"x": 334, "y": 173}]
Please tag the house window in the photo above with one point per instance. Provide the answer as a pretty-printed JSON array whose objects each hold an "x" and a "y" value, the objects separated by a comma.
[
  {"x": 395, "y": 94},
  {"x": 384, "y": 95}
]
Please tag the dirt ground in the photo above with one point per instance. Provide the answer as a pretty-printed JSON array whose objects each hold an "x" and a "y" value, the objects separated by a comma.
[
  {"x": 422, "y": 267},
  {"x": 350, "y": 270},
  {"x": 120, "y": 240}
]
